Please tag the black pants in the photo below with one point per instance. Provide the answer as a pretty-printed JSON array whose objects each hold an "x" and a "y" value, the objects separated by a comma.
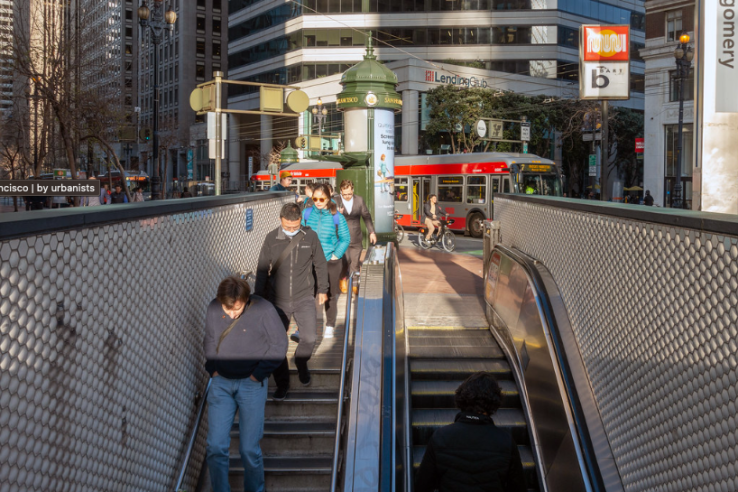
[
  {"x": 335, "y": 269},
  {"x": 353, "y": 254},
  {"x": 304, "y": 312}
]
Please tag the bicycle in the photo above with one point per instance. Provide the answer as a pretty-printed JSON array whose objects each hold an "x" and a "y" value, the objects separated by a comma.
[
  {"x": 399, "y": 230},
  {"x": 447, "y": 239}
]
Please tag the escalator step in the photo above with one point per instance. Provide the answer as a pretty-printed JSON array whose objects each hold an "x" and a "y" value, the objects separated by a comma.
[
  {"x": 414, "y": 328},
  {"x": 526, "y": 457},
  {"x": 458, "y": 369},
  {"x": 450, "y": 352},
  {"x": 440, "y": 394},
  {"x": 476, "y": 340},
  {"x": 426, "y": 421}
]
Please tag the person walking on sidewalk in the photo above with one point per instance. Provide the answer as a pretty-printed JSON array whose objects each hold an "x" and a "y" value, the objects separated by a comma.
[
  {"x": 354, "y": 209},
  {"x": 334, "y": 236},
  {"x": 290, "y": 262},
  {"x": 244, "y": 343}
]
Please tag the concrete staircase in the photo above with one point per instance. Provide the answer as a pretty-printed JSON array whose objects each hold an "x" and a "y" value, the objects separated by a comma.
[{"x": 300, "y": 431}]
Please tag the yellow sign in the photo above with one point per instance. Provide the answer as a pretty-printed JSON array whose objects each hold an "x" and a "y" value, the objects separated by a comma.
[
  {"x": 347, "y": 100},
  {"x": 271, "y": 99},
  {"x": 392, "y": 100},
  {"x": 537, "y": 168}
]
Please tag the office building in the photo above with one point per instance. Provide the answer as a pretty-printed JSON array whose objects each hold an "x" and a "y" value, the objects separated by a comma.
[
  {"x": 529, "y": 46},
  {"x": 665, "y": 22}
]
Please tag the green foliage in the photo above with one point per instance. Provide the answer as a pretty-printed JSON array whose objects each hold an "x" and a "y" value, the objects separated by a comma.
[{"x": 454, "y": 112}]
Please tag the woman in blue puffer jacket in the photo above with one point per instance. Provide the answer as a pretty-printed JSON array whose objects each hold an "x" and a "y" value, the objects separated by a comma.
[{"x": 333, "y": 232}]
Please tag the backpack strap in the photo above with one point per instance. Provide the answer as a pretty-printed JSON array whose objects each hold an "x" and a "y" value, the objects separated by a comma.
[{"x": 307, "y": 214}]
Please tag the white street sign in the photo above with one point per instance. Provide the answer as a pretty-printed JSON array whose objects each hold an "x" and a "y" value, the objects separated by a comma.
[
  {"x": 608, "y": 80},
  {"x": 481, "y": 128},
  {"x": 525, "y": 132}
]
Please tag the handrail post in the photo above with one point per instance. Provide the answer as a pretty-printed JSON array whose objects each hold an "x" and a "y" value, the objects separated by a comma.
[
  {"x": 191, "y": 443},
  {"x": 342, "y": 386}
]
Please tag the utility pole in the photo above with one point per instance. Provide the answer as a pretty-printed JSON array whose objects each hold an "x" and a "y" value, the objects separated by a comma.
[
  {"x": 605, "y": 153},
  {"x": 218, "y": 76}
]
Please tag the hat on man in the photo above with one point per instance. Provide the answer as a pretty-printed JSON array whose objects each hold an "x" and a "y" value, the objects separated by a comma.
[{"x": 285, "y": 174}]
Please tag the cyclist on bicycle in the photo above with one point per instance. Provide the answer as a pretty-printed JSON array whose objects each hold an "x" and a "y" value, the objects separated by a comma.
[{"x": 432, "y": 211}]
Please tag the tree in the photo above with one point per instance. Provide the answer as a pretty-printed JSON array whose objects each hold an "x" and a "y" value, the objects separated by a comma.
[{"x": 12, "y": 147}]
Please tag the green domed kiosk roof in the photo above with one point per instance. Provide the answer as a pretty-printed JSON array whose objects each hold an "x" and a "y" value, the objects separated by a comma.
[{"x": 367, "y": 79}]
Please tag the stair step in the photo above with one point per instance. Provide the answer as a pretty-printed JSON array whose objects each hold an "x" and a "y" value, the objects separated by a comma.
[
  {"x": 526, "y": 457},
  {"x": 454, "y": 369},
  {"x": 440, "y": 394},
  {"x": 426, "y": 421},
  {"x": 293, "y": 438},
  {"x": 423, "y": 332},
  {"x": 295, "y": 474},
  {"x": 321, "y": 379},
  {"x": 451, "y": 352},
  {"x": 300, "y": 403}
]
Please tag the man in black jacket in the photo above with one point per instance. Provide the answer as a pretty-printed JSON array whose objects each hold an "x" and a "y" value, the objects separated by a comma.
[
  {"x": 354, "y": 209},
  {"x": 472, "y": 454},
  {"x": 288, "y": 281}
]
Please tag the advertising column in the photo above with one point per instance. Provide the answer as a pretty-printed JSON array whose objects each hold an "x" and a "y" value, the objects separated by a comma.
[
  {"x": 384, "y": 170},
  {"x": 717, "y": 105}
]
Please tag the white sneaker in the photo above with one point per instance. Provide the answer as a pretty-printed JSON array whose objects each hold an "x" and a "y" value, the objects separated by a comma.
[{"x": 328, "y": 332}]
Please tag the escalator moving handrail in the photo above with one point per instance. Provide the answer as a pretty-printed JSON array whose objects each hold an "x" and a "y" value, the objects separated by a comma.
[
  {"x": 342, "y": 386},
  {"x": 193, "y": 436},
  {"x": 588, "y": 453}
]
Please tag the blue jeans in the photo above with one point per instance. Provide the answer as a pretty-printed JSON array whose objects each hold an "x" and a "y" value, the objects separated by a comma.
[{"x": 249, "y": 397}]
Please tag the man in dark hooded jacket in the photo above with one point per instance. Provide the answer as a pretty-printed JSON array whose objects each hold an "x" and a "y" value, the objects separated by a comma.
[{"x": 472, "y": 454}]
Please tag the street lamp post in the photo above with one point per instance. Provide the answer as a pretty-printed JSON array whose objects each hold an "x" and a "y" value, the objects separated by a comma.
[
  {"x": 319, "y": 116},
  {"x": 157, "y": 21},
  {"x": 35, "y": 122},
  {"x": 683, "y": 55}
]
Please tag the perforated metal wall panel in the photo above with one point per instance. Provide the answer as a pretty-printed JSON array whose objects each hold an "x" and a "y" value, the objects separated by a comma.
[
  {"x": 654, "y": 310},
  {"x": 101, "y": 334}
]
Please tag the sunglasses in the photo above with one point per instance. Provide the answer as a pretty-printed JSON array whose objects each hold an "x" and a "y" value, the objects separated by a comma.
[{"x": 320, "y": 200}]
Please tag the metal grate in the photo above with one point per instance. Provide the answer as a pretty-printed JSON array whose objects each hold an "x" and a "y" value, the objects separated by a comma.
[
  {"x": 101, "y": 346},
  {"x": 654, "y": 311}
]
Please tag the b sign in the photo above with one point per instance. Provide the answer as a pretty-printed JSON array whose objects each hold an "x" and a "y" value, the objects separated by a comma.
[
  {"x": 605, "y": 80},
  {"x": 604, "y": 62}
]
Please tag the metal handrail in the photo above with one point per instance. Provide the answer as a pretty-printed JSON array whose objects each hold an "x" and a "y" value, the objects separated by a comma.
[
  {"x": 193, "y": 437},
  {"x": 342, "y": 386}
]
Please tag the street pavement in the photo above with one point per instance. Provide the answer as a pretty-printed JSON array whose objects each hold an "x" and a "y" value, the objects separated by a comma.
[{"x": 464, "y": 244}]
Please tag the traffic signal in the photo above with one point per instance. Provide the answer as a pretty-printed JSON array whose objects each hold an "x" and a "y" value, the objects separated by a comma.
[{"x": 145, "y": 134}]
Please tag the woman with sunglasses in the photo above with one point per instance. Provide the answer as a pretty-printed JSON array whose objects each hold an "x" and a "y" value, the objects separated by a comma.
[{"x": 334, "y": 236}]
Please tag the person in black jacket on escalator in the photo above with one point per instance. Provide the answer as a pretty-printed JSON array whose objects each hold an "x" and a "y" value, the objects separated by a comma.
[{"x": 472, "y": 454}]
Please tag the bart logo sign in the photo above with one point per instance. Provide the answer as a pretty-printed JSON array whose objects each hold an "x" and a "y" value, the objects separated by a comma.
[
  {"x": 604, "y": 62},
  {"x": 606, "y": 43}
]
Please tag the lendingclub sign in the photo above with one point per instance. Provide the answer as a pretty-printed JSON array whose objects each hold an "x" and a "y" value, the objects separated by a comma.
[
  {"x": 433, "y": 76},
  {"x": 604, "y": 62}
]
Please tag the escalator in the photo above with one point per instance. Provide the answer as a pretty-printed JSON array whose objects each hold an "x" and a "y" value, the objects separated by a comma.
[{"x": 440, "y": 359}]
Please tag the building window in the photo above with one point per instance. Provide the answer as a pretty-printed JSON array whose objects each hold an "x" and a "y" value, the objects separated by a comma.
[
  {"x": 216, "y": 50},
  {"x": 200, "y": 71},
  {"x": 129, "y": 49},
  {"x": 200, "y": 4},
  {"x": 216, "y": 26},
  {"x": 216, "y": 5},
  {"x": 450, "y": 189},
  {"x": 672, "y": 137},
  {"x": 674, "y": 83},
  {"x": 200, "y": 24},
  {"x": 129, "y": 32},
  {"x": 200, "y": 44},
  {"x": 673, "y": 24}
]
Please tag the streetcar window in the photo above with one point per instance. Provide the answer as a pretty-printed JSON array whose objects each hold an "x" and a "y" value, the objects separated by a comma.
[
  {"x": 476, "y": 189},
  {"x": 450, "y": 189},
  {"x": 401, "y": 189},
  {"x": 506, "y": 185}
]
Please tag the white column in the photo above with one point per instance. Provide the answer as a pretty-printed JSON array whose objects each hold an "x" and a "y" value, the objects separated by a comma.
[
  {"x": 300, "y": 131},
  {"x": 410, "y": 123},
  {"x": 266, "y": 139}
]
